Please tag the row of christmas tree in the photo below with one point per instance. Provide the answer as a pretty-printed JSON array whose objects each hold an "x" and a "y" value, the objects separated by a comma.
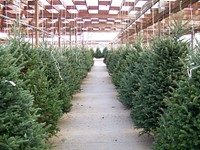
[
  {"x": 160, "y": 83},
  {"x": 36, "y": 86}
]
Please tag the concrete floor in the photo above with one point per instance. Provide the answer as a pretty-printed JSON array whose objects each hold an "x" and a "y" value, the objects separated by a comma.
[{"x": 98, "y": 121}]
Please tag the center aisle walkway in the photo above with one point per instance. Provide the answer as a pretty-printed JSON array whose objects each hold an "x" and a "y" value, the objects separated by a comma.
[{"x": 98, "y": 121}]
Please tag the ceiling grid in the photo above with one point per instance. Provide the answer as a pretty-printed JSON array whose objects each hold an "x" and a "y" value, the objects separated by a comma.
[{"x": 124, "y": 16}]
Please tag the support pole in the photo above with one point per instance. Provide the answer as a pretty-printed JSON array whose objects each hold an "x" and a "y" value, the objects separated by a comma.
[
  {"x": 159, "y": 10},
  {"x": 59, "y": 25},
  {"x": 36, "y": 22},
  {"x": 70, "y": 37},
  {"x": 1, "y": 19},
  {"x": 192, "y": 39}
]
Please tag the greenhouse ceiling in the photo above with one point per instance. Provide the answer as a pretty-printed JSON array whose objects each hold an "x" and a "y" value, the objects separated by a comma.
[{"x": 125, "y": 18}]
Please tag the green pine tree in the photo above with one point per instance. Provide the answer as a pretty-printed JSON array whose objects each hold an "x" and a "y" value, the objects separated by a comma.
[
  {"x": 19, "y": 128},
  {"x": 162, "y": 72},
  {"x": 179, "y": 126}
]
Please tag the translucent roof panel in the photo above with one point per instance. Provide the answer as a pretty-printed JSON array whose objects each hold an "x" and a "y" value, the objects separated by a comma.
[
  {"x": 117, "y": 3},
  {"x": 92, "y": 2}
]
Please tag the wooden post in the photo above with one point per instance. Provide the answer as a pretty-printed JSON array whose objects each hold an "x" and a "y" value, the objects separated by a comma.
[
  {"x": 36, "y": 22},
  {"x": 75, "y": 37},
  {"x": 32, "y": 36},
  {"x": 59, "y": 25},
  {"x": 159, "y": 10},
  {"x": 1, "y": 19},
  {"x": 192, "y": 39},
  {"x": 70, "y": 37}
]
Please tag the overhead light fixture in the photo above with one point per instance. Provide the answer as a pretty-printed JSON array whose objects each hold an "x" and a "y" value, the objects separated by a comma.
[{"x": 140, "y": 3}]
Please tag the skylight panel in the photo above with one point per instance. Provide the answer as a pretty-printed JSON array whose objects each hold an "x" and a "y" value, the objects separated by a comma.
[
  {"x": 104, "y": 7},
  {"x": 155, "y": 6},
  {"x": 95, "y": 29},
  {"x": 105, "y": 0},
  {"x": 93, "y": 11},
  {"x": 69, "y": 20},
  {"x": 124, "y": 23},
  {"x": 44, "y": 2},
  {"x": 111, "y": 18},
  {"x": 126, "y": 8},
  {"x": 92, "y": 2},
  {"x": 107, "y": 29},
  {"x": 140, "y": 3},
  {"x": 72, "y": 11},
  {"x": 87, "y": 20},
  {"x": 52, "y": 11},
  {"x": 148, "y": 12},
  {"x": 102, "y": 20},
  {"x": 41, "y": 8},
  {"x": 114, "y": 12},
  {"x": 65, "y": 21},
  {"x": 116, "y": 3},
  {"x": 81, "y": 7},
  {"x": 84, "y": 29},
  {"x": 67, "y": 2},
  {"x": 80, "y": 22},
  {"x": 117, "y": 20},
  {"x": 31, "y": 11},
  {"x": 94, "y": 18},
  {"x": 60, "y": 7},
  {"x": 95, "y": 22},
  {"x": 110, "y": 22},
  {"x": 132, "y": 12}
]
